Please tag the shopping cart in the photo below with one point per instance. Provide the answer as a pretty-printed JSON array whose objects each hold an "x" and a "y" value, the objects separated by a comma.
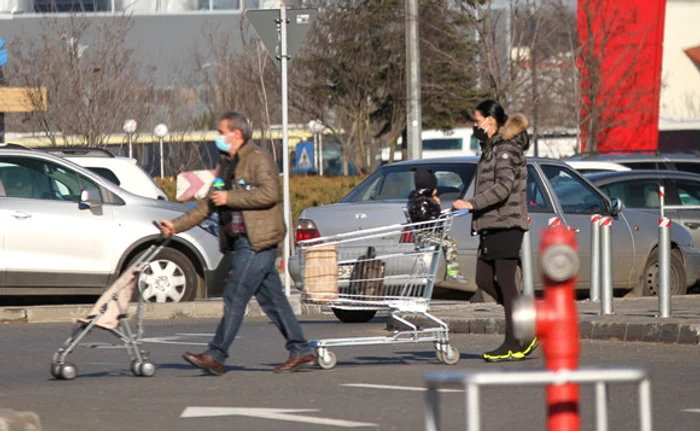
[
  {"x": 386, "y": 268},
  {"x": 110, "y": 313}
]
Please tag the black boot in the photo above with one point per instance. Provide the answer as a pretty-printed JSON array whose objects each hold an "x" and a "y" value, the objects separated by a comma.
[
  {"x": 503, "y": 353},
  {"x": 524, "y": 349}
]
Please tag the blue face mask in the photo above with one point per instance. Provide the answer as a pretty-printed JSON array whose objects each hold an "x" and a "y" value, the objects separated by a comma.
[{"x": 221, "y": 144}]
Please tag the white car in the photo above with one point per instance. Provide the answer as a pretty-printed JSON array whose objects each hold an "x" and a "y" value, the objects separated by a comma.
[
  {"x": 122, "y": 171},
  {"x": 594, "y": 166}
]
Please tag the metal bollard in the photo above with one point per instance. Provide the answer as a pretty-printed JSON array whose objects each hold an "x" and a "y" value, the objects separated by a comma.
[
  {"x": 662, "y": 196},
  {"x": 528, "y": 283},
  {"x": 553, "y": 222},
  {"x": 594, "y": 294},
  {"x": 664, "y": 267},
  {"x": 606, "y": 289}
]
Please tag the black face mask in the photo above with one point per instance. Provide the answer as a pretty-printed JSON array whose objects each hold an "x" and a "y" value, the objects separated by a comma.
[{"x": 480, "y": 134}]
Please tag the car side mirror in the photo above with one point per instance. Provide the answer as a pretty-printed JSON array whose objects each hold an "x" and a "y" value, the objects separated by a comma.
[
  {"x": 615, "y": 206},
  {"x": 91, "y": 198}
]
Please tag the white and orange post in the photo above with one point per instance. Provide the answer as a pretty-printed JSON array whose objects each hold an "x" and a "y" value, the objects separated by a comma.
[
  {"x": 594, "y": 293},
  {"x": 664, "y": 250},
  {"x": 606, "y": 285}
]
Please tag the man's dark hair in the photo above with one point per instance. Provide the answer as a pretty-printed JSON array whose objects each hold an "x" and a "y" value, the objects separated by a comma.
[{"x": 236, "y": 120}]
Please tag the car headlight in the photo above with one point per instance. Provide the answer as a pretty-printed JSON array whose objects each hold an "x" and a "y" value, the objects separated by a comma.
[{"x": 211, "y": 224}]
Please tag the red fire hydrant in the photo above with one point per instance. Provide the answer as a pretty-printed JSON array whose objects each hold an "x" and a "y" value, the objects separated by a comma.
[{"x": 555, "y": 322}]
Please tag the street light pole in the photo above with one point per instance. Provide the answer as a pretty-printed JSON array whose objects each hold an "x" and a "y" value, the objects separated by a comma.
[
  {"x": 161, "y": 131},
  {"x": 413, "y": 112},
  {"x": 129, "y": 129},
  {"x": 317, "y": 128}
]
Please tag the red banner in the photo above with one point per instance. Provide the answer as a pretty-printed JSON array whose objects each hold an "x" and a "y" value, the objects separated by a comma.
[{"x": 621, "y": 45}]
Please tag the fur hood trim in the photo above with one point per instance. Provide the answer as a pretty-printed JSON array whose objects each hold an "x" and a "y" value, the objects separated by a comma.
[{"x": 515, "y": 125}]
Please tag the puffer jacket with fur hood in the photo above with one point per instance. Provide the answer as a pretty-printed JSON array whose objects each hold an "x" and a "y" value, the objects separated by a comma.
[{"x": 500, "y": 199}]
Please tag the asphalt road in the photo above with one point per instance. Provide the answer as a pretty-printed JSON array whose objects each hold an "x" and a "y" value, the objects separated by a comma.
[{"x": 372, "y": 387}]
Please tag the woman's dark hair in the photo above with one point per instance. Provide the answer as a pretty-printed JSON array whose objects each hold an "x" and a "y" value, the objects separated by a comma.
[{"x": 491, "y": 108}]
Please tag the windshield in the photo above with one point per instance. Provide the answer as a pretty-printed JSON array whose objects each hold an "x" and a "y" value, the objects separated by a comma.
[{"x": 394, "y": 183}]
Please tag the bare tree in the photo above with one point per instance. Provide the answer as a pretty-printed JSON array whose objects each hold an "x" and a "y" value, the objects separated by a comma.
[
  {"x": 239, "y": 75},
  {"x": 527, "y": 62},
  {"x": 93, "y": 83},
  {"x": 354, "y": 72}
]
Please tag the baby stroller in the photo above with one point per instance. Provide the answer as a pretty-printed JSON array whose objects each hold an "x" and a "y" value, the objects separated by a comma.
[{"x": 110, "y": 313}]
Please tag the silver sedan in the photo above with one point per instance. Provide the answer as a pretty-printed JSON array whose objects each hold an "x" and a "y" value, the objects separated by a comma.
[{"x": 554, "y": 189}]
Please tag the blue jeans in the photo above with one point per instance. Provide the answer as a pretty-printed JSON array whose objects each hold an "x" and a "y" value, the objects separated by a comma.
[{"x": 254, "y": 274}]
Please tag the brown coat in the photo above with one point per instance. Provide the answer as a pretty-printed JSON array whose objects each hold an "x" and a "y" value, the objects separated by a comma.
[{"x": 261, "y": 206}]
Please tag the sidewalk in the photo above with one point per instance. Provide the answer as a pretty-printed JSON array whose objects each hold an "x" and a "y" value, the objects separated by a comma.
[{"x": 634, "y": 320}]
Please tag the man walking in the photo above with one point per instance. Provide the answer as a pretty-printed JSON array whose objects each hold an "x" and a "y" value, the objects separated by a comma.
[{"x": 251, "y": 224}]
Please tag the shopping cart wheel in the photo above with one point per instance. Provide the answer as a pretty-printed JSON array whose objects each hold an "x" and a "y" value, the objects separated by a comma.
[
  {"x": 450, "y": 356},
  {"x": 326, "y": 359},
  {"x": 148, "y": 369},
  {"x": 68, "y": 371},
  {"x": 56, "y": 370}
]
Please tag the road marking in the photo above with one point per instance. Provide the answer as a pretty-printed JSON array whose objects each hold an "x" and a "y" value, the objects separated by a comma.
[
  {"x": 691, "y": 410},
  {"x": 273, "y": 414},
  {"x": 397, "y": 388}
]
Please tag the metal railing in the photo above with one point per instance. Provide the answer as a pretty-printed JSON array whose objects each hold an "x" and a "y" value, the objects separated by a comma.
[{"x": 472, "y": 382}]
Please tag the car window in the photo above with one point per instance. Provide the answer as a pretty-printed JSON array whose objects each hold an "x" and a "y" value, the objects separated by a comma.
[
  {"x": 640, "y": 165},
  {"x": 394, "y": 183},
  {"x": 688, "y": 167},
  {"x": 688, "y": 192},
  {"x": 537, "y": 201},
  {"x": 574, "y": 194},
  {"x": 635, "y": 193},
  {"x": 442, "y": 144},
  {"x": 106, "y": 174},
  {"x": 37, "y": 179}
]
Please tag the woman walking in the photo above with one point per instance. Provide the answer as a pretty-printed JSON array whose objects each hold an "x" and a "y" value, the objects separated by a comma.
[{"x": 499, "y": 214}]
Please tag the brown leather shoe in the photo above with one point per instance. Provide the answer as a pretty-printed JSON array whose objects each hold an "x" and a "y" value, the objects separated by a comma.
[
  {"x": 294, "y": 362},
  {"x": 205, "y": 362}
]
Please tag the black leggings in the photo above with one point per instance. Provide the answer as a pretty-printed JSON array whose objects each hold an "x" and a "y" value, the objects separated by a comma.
[{"x": 497, "y": 278}]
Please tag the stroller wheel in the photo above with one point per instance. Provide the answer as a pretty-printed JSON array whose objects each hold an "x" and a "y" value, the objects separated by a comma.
[
  {"x": 136, "y": 367},
  {"x": 56, "y": 370},
  {"x": 147, "y": 369},
  {"x": 68, "y": 371}
]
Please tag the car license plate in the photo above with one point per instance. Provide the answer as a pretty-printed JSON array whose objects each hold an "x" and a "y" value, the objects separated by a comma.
[{"x": 344, "y": 272}]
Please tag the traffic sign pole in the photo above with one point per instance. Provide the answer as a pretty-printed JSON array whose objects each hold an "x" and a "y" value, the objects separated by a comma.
[
  {"x": 276, "y": 37},
  {"x": 285, "y": 145}
]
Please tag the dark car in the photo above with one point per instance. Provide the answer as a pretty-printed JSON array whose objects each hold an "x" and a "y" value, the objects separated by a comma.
[
  {"x": 652, "y": 160},
  {"x": 639, "y": 190}
]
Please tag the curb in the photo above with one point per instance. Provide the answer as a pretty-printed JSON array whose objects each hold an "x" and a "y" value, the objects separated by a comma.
[
  {"x": 180, "y": 310},
  {"x": 602, "y": 329},
  {"x": 13, "y": 420}
]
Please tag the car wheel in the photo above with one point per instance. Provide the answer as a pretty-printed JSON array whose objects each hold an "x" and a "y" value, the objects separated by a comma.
[
  {"x": 354, "y": 316},
  {"x": 170, "y": 277},
  {"x": 649, "y": 284}
]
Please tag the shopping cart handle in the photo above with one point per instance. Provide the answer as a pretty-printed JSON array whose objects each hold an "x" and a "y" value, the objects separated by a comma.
[{"x": 462, "y": 212}]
